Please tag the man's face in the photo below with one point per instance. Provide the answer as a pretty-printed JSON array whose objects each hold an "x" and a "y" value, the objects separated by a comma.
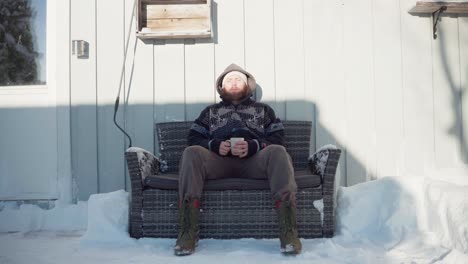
[{"x": 234, "y": 88}]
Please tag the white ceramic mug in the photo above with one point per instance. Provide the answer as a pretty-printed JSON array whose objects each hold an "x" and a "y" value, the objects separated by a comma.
[{"x": 234, "y": 141}]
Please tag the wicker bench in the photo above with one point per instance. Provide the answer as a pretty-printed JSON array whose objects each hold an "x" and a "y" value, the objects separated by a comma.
[{"x": 230, "y": 208}]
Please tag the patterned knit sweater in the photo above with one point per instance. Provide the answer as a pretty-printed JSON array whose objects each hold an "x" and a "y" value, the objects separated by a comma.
[{"x": 255, "y": 122}]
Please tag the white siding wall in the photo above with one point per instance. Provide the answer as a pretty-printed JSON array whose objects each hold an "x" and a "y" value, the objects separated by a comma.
[{"x": 366, "y": 72}]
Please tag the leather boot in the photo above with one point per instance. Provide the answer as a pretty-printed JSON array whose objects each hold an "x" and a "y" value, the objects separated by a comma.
[
  {"x": 290, "y": 243},
  {"x": 188, "y": 228}
]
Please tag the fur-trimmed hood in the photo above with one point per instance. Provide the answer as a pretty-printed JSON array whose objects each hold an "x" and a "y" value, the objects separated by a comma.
[{"x": 251, "y": 83}]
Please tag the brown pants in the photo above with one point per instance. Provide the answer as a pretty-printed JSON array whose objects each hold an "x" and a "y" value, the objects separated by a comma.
[{"x": 273, "y": 163}]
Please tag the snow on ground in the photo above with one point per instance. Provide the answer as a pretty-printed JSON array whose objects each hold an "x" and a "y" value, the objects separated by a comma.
[
  {"x": 390, "y": 220},
  {"x": 28, "y": 217}
]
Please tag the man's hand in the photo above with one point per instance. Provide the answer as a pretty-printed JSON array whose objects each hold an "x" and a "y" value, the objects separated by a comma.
[
  {"x": 241, "y": 149},
  {"x": 224, "y": 148}
]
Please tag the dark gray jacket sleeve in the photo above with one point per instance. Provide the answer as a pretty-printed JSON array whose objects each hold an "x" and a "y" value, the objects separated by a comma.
[
  {"x": 199, "y": 133},
  {"x": 274, "y": 130}
]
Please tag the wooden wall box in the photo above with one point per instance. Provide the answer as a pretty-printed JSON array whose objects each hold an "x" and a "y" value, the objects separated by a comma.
[{"x": 172, "y": 19}]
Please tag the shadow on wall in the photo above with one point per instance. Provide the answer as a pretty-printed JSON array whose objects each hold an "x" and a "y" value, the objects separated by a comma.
[
  {"x": 86, "y": 137},
  {"x": 139, "y": 124},
  {"x": 458, "y": 90}
]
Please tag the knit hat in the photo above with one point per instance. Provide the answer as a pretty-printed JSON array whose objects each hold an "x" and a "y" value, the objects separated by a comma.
[{"x": 237, "y": 73}]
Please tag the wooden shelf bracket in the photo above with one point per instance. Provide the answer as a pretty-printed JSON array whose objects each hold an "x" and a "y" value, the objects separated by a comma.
[{"x": 437, "y": 8}]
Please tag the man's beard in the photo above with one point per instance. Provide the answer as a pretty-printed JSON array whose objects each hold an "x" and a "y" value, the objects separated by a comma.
[{"x": 235, "y": 96}]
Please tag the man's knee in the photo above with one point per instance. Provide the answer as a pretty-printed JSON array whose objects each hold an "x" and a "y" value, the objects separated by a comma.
[
  {"x": 194, "y": 150},
  {"x": 277, "y": 154},
  {"x": 193, "y": 154},
  {"x": 276, "y": 149}
]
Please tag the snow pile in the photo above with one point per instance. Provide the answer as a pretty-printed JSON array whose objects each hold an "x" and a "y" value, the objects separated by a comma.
[
  {"x": 318, "y": 204},
  {"x": 383, "y": 211},
  {"x": 28, "y": 217},
  {"x": 108, "y": 219},
  {"x": 390, "y": 220},
  {"x": 447, "y": 207}
]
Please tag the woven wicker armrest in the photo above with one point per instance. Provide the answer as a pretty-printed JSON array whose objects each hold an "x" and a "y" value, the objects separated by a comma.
[
  {"x": 324, "y": 162},
  {"x": 141, "y": 164}
]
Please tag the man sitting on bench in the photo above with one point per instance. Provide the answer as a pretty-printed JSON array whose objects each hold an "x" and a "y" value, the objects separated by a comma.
[{"x": 241, "y": 138}]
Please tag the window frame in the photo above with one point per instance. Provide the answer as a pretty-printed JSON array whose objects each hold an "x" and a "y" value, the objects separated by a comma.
[{"x": 50, "y": 58}]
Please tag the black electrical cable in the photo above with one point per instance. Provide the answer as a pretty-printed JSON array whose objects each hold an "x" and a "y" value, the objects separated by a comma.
[{"x": 116, "y": 106}]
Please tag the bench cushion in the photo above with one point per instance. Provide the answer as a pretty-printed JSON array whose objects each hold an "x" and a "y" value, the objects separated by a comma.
[{"x": 170, "y": 182}]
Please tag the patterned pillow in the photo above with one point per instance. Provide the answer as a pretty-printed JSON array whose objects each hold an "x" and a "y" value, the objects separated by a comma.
[{"x": 319, "y": 162}]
